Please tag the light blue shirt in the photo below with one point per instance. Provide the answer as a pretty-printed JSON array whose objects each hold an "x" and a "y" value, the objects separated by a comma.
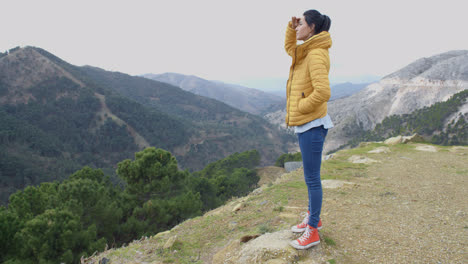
[{"x": 325, "y": 121}]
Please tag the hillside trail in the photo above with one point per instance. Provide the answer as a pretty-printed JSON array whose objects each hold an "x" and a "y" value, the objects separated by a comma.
[{"x": 403, "y": 203}]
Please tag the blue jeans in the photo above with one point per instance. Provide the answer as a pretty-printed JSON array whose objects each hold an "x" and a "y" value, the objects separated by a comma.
[{"x": 311, "y": 144}]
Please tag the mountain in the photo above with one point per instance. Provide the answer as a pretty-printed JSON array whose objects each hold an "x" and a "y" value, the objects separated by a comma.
[
  {"x": 56, "y": 118},
  {"x": 243, "y": 98},
  {"x": 419, "y": 84}
]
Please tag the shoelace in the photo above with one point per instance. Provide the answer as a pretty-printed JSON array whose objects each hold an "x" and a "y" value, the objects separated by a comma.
[
  {"x": 306, "y": 235},
  {"x": 306, "y": 219}
]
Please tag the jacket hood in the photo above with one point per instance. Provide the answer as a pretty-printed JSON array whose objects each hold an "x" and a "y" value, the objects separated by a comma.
[{"x": 319, "y": 41}]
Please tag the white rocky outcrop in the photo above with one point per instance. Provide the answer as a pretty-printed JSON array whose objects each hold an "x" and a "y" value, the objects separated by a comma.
[{"x": 420, "y": 84}]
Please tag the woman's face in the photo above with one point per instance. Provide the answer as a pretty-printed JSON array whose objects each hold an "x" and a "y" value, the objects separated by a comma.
[{"x": 303, "y": 31}]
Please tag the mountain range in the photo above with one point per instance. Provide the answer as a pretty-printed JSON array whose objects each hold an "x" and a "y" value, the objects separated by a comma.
[
  {"x": 250, "y": 100},
  {"x": 246, "y": 99},
  {"x": 57, "y": 117}
]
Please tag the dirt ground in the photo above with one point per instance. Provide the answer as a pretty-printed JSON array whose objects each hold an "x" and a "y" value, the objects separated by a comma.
[{"x": 411, "y": 208}]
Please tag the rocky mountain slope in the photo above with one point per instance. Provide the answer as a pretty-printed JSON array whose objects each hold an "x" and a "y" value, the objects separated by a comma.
[
  {"x": 421, "y": 83},
  {"x": 400, "y": 203},
  {"x": 246, "y": 99}
]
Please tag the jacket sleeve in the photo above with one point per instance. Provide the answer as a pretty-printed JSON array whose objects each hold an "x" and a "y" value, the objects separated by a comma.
[
  {"x": 290, "y": 41},
  {"x": 318, "y": 67}
]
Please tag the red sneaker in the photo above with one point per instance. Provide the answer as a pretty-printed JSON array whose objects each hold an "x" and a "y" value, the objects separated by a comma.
[
  {"x": 309, "y": 239},
  {"x": 302, "y": 226}
]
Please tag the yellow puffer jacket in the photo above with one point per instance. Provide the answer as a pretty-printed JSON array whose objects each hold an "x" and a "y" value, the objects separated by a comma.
[{"x": 308, "y": 87}]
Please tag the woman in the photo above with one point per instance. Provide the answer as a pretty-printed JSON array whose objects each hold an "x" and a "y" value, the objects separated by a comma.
[{"x": 308, "y": 90}]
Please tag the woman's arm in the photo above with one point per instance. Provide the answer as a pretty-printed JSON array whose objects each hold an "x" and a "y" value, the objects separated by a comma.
[
  {"x": 319, "y": 66},
  {"x": 290, "y": 41}
]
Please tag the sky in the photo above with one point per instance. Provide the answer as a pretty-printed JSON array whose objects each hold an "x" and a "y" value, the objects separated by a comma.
[{"x": 232, "y": 41}]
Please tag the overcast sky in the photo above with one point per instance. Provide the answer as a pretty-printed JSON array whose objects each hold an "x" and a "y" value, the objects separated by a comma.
[{"x": 232, "y": 41}]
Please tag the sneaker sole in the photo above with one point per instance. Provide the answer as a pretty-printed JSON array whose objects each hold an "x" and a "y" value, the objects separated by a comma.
[
  {"x": 304, "y": 247},
  {"x": 300, "y": 230}
]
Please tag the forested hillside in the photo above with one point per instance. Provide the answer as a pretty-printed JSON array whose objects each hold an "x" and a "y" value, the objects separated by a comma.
[
  {"x": 58, "y": 222},
  {"x": 56, "y": 118}
]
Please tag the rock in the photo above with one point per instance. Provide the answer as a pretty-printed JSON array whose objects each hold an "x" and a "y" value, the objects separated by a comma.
[
  {"x": 273, "y": 248},
  {"x": 237, "y": 207},
  {"x": 332, "y": 184},
  {"x": 104, "y": 261},
  {"x": 170, "y": 243},
  {"x": 158, "y": 235},
  {"x": 257, "y": 191},
  {"x": 267, "y": 247},
  {"x": 327, "y": 157},
  {"x": 361, "y": 159},
  {"x": 404, "y": 139},
  {"x": 414, "y": 138},
  {"x": 292, "y": 165},
  {"x": 428, "y": 148},
  {"x": 394, "y": 140},
  {"x": 227, "y": 253},
  {"x": 380, "y": 150}
]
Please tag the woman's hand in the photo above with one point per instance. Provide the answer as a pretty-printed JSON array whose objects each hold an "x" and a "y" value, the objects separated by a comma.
[{"x": 294, "y": 22}]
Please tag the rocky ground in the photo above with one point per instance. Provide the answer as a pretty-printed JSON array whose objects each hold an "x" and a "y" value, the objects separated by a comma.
[{"x": 402, "y": 203}]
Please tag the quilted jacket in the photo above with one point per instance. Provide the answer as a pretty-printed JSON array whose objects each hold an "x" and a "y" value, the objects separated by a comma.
[{"x": 308, "y": 87}]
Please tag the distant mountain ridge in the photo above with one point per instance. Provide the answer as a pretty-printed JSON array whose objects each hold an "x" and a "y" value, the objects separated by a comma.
[
  {"x": 450, "y": 65},
  {"x": 246, "y": 99},
  {"x": 346, "y": 89}
]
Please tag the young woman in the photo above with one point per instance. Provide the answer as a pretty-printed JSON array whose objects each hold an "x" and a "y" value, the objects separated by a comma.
[{"x": 308, "y": 90}]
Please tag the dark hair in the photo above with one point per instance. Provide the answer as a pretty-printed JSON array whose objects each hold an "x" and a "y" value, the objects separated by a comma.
[{"x": 321, "y": 22}]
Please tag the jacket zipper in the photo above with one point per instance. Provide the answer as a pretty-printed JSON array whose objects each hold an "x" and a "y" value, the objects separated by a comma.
[{"x": 290, "y": 88}]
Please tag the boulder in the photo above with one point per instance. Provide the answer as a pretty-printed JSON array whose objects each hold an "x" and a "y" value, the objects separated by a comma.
[
  {"x": 237, "y": 207},
  {"x": 394, "y": 140},
  {"x": 292, "y": 165},
  {"x": 380, "y": 150},
  {"x": 414, "y": 138},
  {"x": 268, "y": 248}
]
